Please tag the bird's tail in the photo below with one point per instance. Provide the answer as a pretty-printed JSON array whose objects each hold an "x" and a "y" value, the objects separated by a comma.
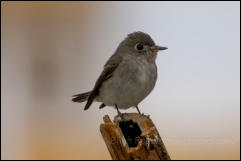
[{"x": 81, "y": 97}]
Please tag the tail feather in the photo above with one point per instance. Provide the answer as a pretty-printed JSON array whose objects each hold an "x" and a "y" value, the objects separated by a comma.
[
  {"x": 102, "y": 106},
  {"x": 81, "y": 97}
]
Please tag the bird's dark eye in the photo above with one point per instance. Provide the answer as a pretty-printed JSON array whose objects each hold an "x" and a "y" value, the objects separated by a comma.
[{"x": 139, "y": 47}]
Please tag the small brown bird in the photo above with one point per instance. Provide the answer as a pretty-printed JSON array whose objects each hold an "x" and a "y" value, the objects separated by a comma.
[{"x": 128, "y": 76}]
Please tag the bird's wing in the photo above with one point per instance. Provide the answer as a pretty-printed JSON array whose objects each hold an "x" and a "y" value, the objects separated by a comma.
[{"x": 109, "y": 68}]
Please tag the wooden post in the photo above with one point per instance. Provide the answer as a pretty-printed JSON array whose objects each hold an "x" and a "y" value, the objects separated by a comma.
[{"x": 133, "y": 138}]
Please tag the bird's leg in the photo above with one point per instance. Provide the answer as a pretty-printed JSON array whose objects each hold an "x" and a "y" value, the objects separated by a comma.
[
  {"x": 138, "y": 110},
  {"x": 141, "y": 113},
  {"x": 119, "y": 113}
]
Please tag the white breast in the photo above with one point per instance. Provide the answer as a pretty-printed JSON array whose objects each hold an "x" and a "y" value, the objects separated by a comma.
[{"x": 130, "y": 84}]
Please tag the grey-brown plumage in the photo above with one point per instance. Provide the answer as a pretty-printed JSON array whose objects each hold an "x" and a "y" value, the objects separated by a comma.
[
  {"x": 128, "y": 76},
  {"x": 81, "y": 97}
]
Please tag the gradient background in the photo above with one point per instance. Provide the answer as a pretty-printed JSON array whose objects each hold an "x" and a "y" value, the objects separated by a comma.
[{"x": 52, "y": 50}]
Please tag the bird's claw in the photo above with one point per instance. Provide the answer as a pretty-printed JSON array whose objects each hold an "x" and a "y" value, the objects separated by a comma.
[
  {"x": 121, "y": 116},
  {"x": 148, "y": 116}
]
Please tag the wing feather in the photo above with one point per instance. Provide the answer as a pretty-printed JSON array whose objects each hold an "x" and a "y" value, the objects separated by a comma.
[{"x": 108, "y": 71}]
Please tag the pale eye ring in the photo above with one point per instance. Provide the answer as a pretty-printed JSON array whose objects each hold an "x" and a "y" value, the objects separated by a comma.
[{"x": 139, "y": 47}]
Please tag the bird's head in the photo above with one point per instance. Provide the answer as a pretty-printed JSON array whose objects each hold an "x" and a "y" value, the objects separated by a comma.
[{"x": 140, "y": 44}]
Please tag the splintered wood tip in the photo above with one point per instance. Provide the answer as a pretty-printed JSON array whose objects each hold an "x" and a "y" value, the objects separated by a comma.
[{"x": 106, "y": 119}]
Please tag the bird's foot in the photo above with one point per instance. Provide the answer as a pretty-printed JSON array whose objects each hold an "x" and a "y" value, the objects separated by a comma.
[
  {"x": 121, "y": 116},
  {"x": 119, "y": 113},
  {"x": 148, "y": 116}
]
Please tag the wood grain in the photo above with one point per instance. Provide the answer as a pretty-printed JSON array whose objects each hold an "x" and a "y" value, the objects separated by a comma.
[{"x": 134, "y": 138}]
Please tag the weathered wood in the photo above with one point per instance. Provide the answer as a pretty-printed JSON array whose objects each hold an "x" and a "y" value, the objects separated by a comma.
[{"x": 134, "y": 138}]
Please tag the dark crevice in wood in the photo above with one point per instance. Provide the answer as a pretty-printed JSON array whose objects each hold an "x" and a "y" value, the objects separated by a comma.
[{"x": 131, "y": 132}]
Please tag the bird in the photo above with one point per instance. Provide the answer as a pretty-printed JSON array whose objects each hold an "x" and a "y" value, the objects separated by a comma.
[{"x": 128, "y": 76}]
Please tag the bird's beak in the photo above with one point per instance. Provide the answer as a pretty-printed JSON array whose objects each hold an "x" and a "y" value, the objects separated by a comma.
[
  {"x": 157, "y": 48},
  {"x": 161, "y": 48}
]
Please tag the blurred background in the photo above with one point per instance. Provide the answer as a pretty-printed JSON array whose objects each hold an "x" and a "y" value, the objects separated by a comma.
[{"x": 52, "y": 50}]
